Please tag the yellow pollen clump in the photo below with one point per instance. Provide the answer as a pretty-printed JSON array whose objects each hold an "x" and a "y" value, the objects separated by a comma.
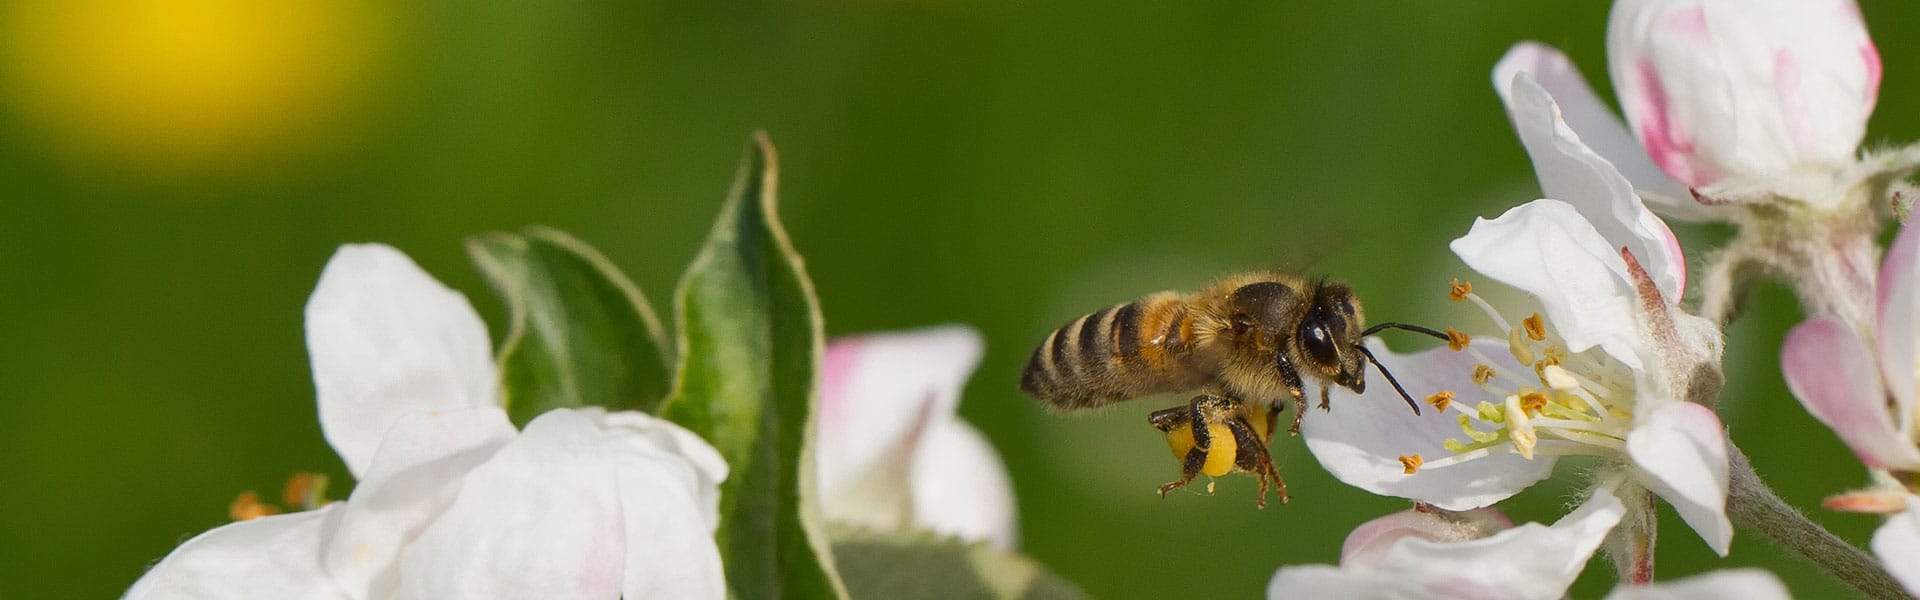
[
  {"x": 1517, "y": 345},
  {"x": 1536, "y": 329},
  {"x": 248, "y": 506},
  {"x": 1411, "y": 462},
  {"x": 1482, "y": 374},
  {"x": 1458, "y": 290},
  {"x": 1533, "y": 402},
  {"x": 1442, "y": 400},
  {"x": 1457, "y": 340}
]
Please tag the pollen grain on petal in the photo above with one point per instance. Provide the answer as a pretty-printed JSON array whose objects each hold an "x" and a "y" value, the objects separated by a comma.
[
  {"x": 1411, "y": 463},
  {"x": 248, "y": 507},
  {"x": 1457, "y": 340},
  {"x": 1482, "y": 374},
  {"x": 1441, "y": 400},
  {"x": 1536, "y": 328},
  {"x": 1458, "y": 290}
]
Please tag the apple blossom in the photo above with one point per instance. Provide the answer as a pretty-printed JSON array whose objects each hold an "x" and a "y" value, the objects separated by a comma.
[
  {"x": 1604, "y": 368},
  {"x": 891, "y": 452},
  {"x": 451, "y": 501}
]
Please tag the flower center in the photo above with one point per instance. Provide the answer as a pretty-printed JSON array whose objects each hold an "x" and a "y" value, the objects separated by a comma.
[{"x": 1565, "y": 404}]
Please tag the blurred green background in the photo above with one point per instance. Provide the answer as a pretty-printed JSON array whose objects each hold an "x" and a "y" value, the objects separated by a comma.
[{"x": 174, "y": 174}]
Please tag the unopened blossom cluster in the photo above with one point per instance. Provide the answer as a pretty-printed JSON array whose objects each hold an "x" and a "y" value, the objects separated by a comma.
[{"x": 1745, "y": 112}]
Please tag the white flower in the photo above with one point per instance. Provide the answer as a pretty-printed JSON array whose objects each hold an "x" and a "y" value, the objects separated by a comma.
[
  {"x": 1865, "y": 391},
  {"x": 451, "y": 501},
  {"x": 891, "y": 452},
  {"x": 1424, "y": 554},
  {"x": 1603, "y": 369}
]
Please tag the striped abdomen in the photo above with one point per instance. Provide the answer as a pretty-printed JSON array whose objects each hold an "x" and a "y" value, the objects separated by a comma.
[{"x": 1123, "y": 351}]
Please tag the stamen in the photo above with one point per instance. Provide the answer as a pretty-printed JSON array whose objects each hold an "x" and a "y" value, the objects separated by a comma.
[
  {"x": 1533, "y": 403},
  {"x": 1536, "y": 328},
  {"x": 1517, "y": 345},
  {"x": 305, "y": 490},
  {"x": 1441, "y": 400},
  {"x": 1482, "y": 374},
  {"x": 1458, "y": 290},
  {"x": 1457, "y": 340},
  {"x": 1466, "y": 427},
  {"x": 1556, "y": 377},
  {"x": 1519, "y": 430},
  {"x": 1499, "y": 322},
  {"x": 1411, "y": 462},
  {"x": 248, "y": 507}
]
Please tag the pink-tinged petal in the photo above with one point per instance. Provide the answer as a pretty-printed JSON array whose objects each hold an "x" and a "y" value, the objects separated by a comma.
[
  {"x": 1589, "y": 117},
  {"x": 1548, "y": 249},
  {"x": 961, "y": 487},
  {"x": 268, "y": 557},
  {"x": 1744, "y": 584},
  {"x": 1756, "y": 89},
  {"x": 1680, "y": 451},
  {"x": 1879, "y": 501},
  {"x": 880, "y": 391},
  {"x": 571, "y": 509},
  {"x": 408, "y": 484},
  {"x": 1830, "y": 370},
  {"x": 1360, "y": 438},
  {"x": 1571, "y": 172},
  {"x": 1532, "y": 561},
  {"x": 1898, "y": 314},
  {"x": 1897, "y": 543},
  {"x": 1366, "y": 547},
  {"x": 387, "y": 340},
  {"x": 1327, "y": 581}
]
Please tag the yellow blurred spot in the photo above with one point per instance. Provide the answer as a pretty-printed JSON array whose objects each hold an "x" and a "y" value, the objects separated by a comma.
[
  {"x": 185, "y": 84},
  {"x": 248, "y": 506}
]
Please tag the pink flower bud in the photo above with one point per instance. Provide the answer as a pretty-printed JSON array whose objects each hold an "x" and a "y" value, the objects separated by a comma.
[{"x": 1750, "y": 88}]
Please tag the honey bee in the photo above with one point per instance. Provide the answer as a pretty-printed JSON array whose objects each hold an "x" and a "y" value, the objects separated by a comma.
[{"x": 1243, "y": 346}]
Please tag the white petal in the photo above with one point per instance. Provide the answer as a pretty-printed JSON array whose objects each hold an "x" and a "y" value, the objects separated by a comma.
[
  {"x": 1367, "y": 545},
  {"x": 1532, "y": 561},
  {"x": 388, "y": 340},
  {"x": 709, "y": 468},
  {"x": 268, "y": 557},
  {"x": 1571, "y": 172},
  {"x": 878, "y": 392},
  {"x": 1326, "y": 581},
  {"x": 1898, "y": 315},
  {"x": 1717, "y": 88},
  {"x": 1547, "y": 249},
  {"x": 1589, "y": 117},
  {"x": 1897, "y": 543},
  {"x": 410, "y": 482},
  {"x": 1680, "y": 451},
  {"x": 1359, "y": 439},
  {"x": 1831, "y": 371},
  {"x": 1744, "y": 584},
  {"x": 961, "y": 487},
  {"x": 574, "y": 510}
]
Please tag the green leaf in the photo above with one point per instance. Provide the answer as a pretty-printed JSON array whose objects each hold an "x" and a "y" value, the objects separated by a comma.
[
  {"x": 579, "y": 333},
  {"x": 919, "y": 564},
  {"x": 749, "y": 339}
]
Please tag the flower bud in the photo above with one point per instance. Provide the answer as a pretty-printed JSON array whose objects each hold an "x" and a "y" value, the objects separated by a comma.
[{"x": 1743, "y": 88}]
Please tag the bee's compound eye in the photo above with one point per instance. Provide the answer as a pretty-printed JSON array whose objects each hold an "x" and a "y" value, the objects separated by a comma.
[{"x": 1319, "y": 343}]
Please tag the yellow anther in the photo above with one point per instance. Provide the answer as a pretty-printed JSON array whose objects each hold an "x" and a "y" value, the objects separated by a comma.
[
  {"x": 1411, "y": 462},
  {"x": 1519, "y": 431},
  {"x": 1482, "y": 374},
  {"x": 248, "y": 506},
  {"x": 1442, "y": 400},
  {"x": 1457, "y": 340},
  {"x": 305, "y": 490},
  {"x": 1458, "y": 290},
  {"x": 1555, "y": 355},
  {"x": 1533, "y": 403},
  {"x": 1558, "y": 378},
  {"x": 1518, "y": 346},
  {"x": 1536, "y": 328}
]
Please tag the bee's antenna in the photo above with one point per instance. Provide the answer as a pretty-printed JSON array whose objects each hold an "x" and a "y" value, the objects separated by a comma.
[
  {"x": 1414, "y": 328},
  {"x": 1389, "y": 375}
]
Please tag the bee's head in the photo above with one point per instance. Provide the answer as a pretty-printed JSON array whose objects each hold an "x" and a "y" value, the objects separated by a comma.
[{"x": 1329, "y": 336}]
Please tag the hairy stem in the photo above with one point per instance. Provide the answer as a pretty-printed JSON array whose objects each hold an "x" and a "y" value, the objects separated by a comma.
[
  {"x": 1630, "y": 545},
  {"x": 1754, "y": 507}
]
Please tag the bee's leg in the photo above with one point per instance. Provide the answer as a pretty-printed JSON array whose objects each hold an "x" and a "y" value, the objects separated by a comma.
[
  {"x": 1189, "y": 468},
  {"x": 1166, "y": 419},
  {"x": 1291, "y": 377},
  {"x": 1323, "y": 397},
  {"x": 1254, "y": 458}
]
